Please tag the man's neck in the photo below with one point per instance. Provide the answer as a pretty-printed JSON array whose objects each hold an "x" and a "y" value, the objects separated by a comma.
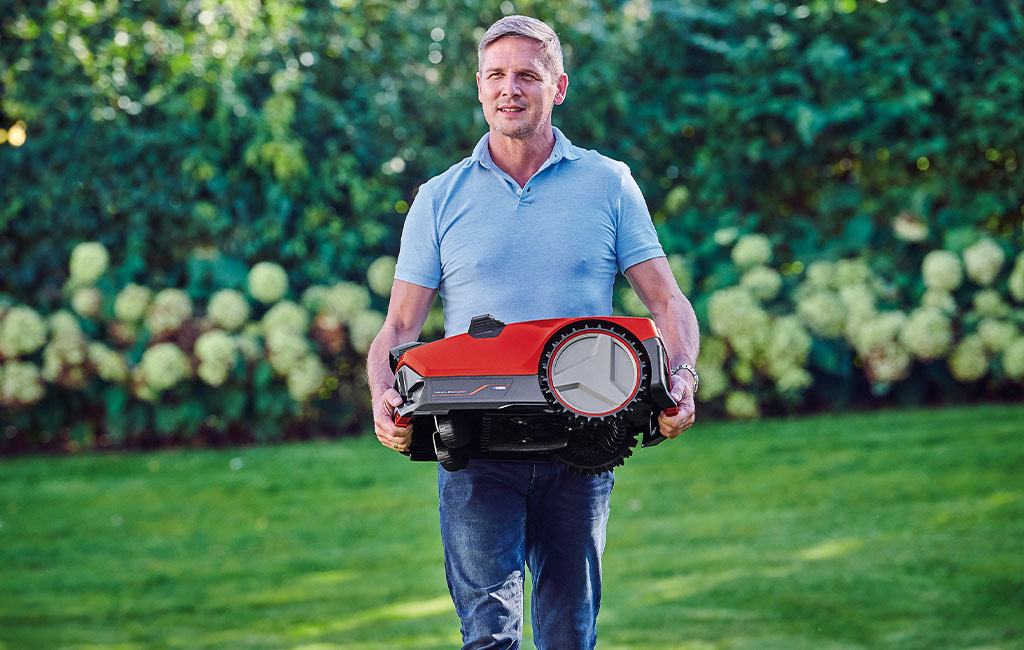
[{"x": 521, "y": 159}]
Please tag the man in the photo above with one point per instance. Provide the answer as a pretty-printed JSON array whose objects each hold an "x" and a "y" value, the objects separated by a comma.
[{"x": 528, "y": 227}]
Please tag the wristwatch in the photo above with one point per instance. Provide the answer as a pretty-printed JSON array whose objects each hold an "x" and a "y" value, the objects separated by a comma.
[{"x": 693, "y": 371}]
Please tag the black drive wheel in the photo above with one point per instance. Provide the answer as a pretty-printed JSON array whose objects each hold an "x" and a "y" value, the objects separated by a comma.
[
  {"x": 597, "y": 375},
  {"x": 451, "y": 459},
  {"x": 454, "y": 435}
]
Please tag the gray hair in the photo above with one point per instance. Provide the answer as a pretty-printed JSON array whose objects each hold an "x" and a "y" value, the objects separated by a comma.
[{"x": 526, "y": 27}]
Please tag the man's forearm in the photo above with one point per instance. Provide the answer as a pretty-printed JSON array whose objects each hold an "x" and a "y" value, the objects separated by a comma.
[
  {"x": 378, "y": 361},
  {"x": 678, "y": 324}
]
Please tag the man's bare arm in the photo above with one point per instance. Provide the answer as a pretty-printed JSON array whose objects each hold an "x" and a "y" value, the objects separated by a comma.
[
  {"x": 410, "y": 304},
  {"x": 657, "y": 288}
]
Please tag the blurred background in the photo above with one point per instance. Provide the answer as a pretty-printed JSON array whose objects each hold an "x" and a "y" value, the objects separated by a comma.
[
  {"x": 202, "y": 201},
  {"x": 200, "y": 206}
]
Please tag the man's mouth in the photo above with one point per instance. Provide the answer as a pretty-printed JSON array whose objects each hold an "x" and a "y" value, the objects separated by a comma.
[{"x": 511, "y": 109}]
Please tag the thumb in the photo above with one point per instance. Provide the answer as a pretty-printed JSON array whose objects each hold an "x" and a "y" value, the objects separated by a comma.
[{"x": 394, "y": 399}]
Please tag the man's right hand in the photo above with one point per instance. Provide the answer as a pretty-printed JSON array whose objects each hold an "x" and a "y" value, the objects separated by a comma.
[{"x": 390, "y": 435}]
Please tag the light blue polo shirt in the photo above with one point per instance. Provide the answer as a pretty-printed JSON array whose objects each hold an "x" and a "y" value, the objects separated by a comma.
[{"x": 550, "y": 249}]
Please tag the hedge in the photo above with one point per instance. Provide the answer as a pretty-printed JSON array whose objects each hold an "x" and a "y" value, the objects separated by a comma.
[{"x": 196, "y": 140}]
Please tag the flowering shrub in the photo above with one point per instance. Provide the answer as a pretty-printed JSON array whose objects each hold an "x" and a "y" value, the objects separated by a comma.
[
  {"x": 89, "y": 260},
  {"x": 983, "y": 261},
  {"x": 267, "y": 282},
  {"x": 131, "y": 303},
  {"x": 22, "y": 331},
  {"x": 942, "y": 271},
  {"x": 774, "y": 340},
  {"x": 228, "y": 309},
  {"x": 752, "y": 250},
  {"x": 381, "y": 274}
]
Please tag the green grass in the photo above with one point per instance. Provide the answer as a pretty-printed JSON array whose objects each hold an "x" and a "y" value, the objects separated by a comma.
[{"x": 900, "y": 530}]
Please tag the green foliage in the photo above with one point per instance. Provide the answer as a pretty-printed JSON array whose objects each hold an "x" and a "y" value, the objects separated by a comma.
[{"x": 197, "y": 139}]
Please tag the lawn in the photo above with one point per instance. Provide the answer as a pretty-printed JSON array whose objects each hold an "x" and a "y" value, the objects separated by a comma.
[{"x": 898, "y": 529}]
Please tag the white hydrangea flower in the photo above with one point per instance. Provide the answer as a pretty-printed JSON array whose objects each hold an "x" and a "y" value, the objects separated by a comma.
[
  {"x": 212, "y": 374},
  {"x": 821, "y": 274},
  {"x": 752, "y": 250},
  {"x": 87, "y": 302},
  {"x": 824, "y": 313},
  {"x": 927, "y": 334},
  {"x": 942, "y": 271},
  {"x": 286, "y": 348},
  {"x": 168, "y": 311},
  {"x": 313, "y": 297},
  {"x": 882, "y": 329},
  {"x": 20, "y": 384},
  {"x": 910, "y": 227},
  {"x": 938, "y": 299},
  {"x": 983, "y": 261},
  {"x": 996, "y": 334},
  {"x": 726, "y": 236},
  {"x": 969, "y": 361},
  {"x": 364, "y": 328},
  {"x": 89, "y": 260},
  {"x": 131, "y": 303},
  {"x": 288, "y": 315},
  {"x": 63, "y": 323},
  {"x": 788, "y": 346},
  {"x": 228, "y": 309},
  {"x": 737, "y": 317},
  {"x": 267, "y": 282},
  {"x": 762, "y": 282},
  {"x": 989, "y": 303},
  {"x": 1013, "y": 360},
  {"x": 163, "y": 366},
  {"x": 381, "y": 274},
  {"x": 712, "y": 353},
  {"x": 22, "y": 331},
  {"x": 345, "y": 301},
  {"x": 792, "y": 380},
  {"x": 859, "y": 301},
  {"x": 742, "y": 406},
  {"x": 110, "y": 365},
  {"x": 66, "y": 356},
  {"x": 713, "y": 382},
  {"x": 1016, "y": 280},
  {"x": 217, "y": 347},
  {"x": 852, "y": 272},
  {"x": 886, "y": 361},
  {"x": 306, "y": 378},
  {"x": 217, "y": 352}
]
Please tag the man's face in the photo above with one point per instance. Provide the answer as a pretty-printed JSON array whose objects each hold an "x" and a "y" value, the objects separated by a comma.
[{"x": 516, "y": 90}]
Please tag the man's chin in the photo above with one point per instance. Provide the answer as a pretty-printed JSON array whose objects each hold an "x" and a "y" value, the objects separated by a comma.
[{"x": 523, "y": 132}]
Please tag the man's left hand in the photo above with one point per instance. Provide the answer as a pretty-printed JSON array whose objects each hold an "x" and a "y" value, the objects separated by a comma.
[{"x": 682, "y": 393}]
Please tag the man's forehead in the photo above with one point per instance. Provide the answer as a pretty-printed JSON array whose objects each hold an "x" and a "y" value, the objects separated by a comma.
[{"x": 498, "y": 53}]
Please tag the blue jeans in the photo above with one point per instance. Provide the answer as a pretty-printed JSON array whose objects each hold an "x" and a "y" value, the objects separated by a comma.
[{"x": 497, "y": 515}]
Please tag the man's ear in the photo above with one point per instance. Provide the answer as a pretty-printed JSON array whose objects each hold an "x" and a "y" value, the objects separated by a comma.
[
  {"x": 563, "y": 85},
  {"x": 478, "y": 95}
]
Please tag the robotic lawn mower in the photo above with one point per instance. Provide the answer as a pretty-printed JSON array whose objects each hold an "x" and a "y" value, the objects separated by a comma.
[{"x": 577, "y": 390}]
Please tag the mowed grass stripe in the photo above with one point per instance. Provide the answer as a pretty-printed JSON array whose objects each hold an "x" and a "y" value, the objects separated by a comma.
[{"x": 895, "y": 529}]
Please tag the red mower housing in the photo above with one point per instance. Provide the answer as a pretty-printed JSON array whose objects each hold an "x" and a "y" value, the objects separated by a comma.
[{"x": 576, "y": 390}]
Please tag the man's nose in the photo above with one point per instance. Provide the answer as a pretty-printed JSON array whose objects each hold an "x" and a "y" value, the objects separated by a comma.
[{"x": 511, "y": 86}]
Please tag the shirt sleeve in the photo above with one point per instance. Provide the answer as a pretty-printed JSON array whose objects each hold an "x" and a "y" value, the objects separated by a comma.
[
  {"x": 419, "y": 258},
  {"x": 636, "y": 240}
]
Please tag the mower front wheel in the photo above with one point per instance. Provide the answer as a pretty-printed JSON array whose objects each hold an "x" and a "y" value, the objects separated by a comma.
[{"x": 451, "y": 459}]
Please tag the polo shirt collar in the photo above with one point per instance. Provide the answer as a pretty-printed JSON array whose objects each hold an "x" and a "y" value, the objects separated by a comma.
[{"x": 562, "y": 149}]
